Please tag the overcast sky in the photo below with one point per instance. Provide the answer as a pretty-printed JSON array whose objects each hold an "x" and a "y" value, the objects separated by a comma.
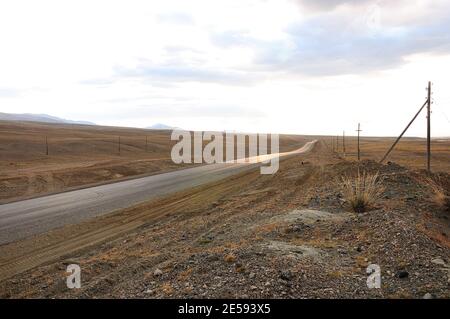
[{"x": 287, "y": 66}]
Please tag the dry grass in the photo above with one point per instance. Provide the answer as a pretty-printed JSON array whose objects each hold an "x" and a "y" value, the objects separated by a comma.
[
  {"x": 438, "y": 194},
  {"x": 229, "y": 258},
  {"x": 362, "y": 191}
]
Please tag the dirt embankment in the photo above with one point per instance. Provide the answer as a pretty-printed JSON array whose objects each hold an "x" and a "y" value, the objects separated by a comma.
[{"x": 285, "y": 236}]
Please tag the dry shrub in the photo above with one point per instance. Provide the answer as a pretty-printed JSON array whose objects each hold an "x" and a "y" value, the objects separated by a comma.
[
  {"x": 240, "y": 268},
  {"x": 167, "y": 288},
  {"x": 362, "y": 191},
  {"x": 230, "y": 258},
  {"x": 438, "y": 194}
]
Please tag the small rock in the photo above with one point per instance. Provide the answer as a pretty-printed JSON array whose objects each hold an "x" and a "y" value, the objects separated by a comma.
[
  {"x": 439, "y": 261},
  {"x": 428, "y": 296},
  {"x": 239, "y": 267},
  {"x": 252, "y": 275},
  {"x": 149, "y": 292},
  {"x": 286, "y": 275},
  {"x": 253, "y": 287},
  {"x": 212, "y": 258},
  {"x": 158, "y": 272},
  {"x": 402, "y": 274}
]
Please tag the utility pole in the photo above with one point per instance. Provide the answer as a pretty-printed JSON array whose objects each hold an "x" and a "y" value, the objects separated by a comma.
[
  {"x": 46, "y": 145},
  {"x": 359, "y": 152},
  {"x": 119, "y": 145},
  {"x": 343, "y": 142},
  {"x": 429, "y": 128},
  {"x": 332, "y": 144},
  {"x": 337, "y": 144}
]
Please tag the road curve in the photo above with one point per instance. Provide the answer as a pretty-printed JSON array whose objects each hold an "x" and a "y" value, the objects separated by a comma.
[{"x": 33, "y": 216}]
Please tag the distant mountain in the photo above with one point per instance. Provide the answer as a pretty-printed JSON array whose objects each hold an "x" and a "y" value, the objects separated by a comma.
[
  {"x": 39, "y": 118},
  {"x": 160, "y": 126}
]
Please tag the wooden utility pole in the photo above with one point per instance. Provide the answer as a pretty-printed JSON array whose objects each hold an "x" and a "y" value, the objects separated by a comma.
[
  {"x": 343, "y": 142},
  {"x": 119, "y": 145},
  {"x": 429, "y": 128},
  {"x": 337, "y": 144},
  {"x": 359, "y": 152},
  {"x": 46, "y": 145}
]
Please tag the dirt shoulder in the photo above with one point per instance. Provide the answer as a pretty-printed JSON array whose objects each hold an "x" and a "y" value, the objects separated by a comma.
[{"x": 251, "y": 236}]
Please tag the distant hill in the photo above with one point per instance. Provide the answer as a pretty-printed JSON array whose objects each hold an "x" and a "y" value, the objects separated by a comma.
[
  {"x": 160, "y": 126},
  {"x": 39, "y": 118}
]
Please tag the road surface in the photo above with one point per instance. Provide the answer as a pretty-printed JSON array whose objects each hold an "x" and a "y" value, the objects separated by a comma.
[{"x": 33, "y": 216}]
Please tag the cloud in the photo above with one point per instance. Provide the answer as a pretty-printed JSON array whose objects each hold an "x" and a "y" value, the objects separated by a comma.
[
  {"x": 6, "y": 92},
  {"x": 177, "y": 108},
  {"x": 337, "y": 49},
  {"x": 360, "y": 37},
  {"x": 180, "y": 49},
  {"x": 365, "y": 36},
  {"x": 327, "y": 5},
  {"x": 334, "y": 44},
  {"x": 171, "y": 73},
  {"x": 200, "y": 111},
  {"x": 100, "y": 82},
  {"x": 178, "y": 18},
  {"x": 230, "y": 38}
]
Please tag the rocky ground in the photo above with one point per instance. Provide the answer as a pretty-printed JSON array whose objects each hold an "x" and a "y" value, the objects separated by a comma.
[{"x": 291, "y": 235}]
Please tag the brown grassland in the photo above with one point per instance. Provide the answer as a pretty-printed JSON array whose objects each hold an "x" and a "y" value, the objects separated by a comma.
[{"x": 83, "y": 155}]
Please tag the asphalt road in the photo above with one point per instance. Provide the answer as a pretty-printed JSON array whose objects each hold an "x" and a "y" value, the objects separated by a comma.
[{"x": 33, "y": 216}]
